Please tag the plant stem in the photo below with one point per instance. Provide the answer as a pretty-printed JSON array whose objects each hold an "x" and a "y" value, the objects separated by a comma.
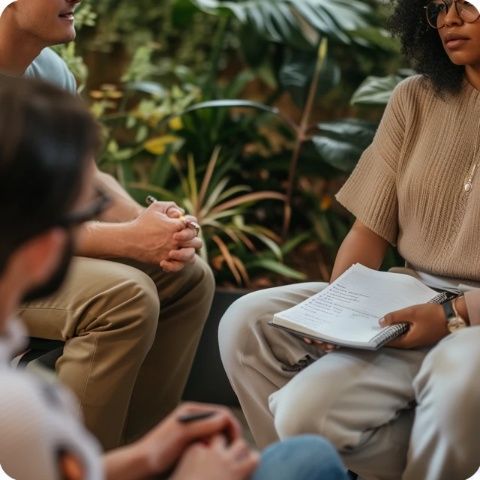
[
  {"x": 302, "y": 135},
  {"x": 219, "y": 40}
]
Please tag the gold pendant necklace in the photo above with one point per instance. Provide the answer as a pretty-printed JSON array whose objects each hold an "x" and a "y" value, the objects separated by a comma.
[{"x": 469, "y": 182}]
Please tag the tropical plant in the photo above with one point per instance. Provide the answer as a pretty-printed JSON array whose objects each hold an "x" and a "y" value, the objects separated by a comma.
[
  {"x": 222, "y": 211},
  {"x": 142, "y": 125},
  {"x": 297, "y": 31},
  {"x": 182, "y": 105},
  {"x": 376, "y": 91},
  {"x": 339, "y": 144},
  {"x": 294, "y": 21}
]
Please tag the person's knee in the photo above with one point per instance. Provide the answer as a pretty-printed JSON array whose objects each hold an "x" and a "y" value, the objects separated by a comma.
[
  {"x": 236, "y": 325},
  {"x": 132, "y": 306},
  {"x": 145, "y": 296},
  {"x": 196, "y": 280},
  {"x": 446, "y": 386},
  {"x": 292, "y": 418},
  {"x": 203, "y": 276},
  {"x": 297, "y": 410}
]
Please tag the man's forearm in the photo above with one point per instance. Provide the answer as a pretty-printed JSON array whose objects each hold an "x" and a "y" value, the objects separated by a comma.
[
  {"x": 361, "y": 245},
  {"x": 149, "y": 238},
  {"x": 128, "y": 463},
  {"x": 157, "y": 235},
  {"x": 123, "y": 208},
  {"x": 104, "y": 240}
]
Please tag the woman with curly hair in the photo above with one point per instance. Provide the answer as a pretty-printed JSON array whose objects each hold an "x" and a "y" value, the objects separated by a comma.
[{"x": 410, "y": 410}]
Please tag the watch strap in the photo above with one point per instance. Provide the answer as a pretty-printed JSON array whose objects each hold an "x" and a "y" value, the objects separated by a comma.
[
  {"x": 448, "y": 310},
  {"x": 453, "y": 320}
]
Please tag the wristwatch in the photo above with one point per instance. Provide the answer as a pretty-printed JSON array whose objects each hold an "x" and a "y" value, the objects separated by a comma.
[{"x": 454, "y": 320}]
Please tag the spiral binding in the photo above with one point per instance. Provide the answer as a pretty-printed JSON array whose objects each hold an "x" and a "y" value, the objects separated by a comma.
[{"x": 389, "y": 333}]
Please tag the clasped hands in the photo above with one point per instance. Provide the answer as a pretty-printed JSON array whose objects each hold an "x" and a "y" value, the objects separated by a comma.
[
  {"x": 427, "y": 326},
  {"x": 163, "y": 235},
  {"x": 207, "y": 449}
]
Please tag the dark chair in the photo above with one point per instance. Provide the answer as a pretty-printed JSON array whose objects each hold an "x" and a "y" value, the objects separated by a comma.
[
  {"x": 208, "y": 381},
  {"x": 42, "y": 350}
]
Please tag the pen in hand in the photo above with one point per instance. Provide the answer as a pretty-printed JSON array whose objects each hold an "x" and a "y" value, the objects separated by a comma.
[
  {"x": 189, "y": 223},
  {"x": 192, "y": 417}
]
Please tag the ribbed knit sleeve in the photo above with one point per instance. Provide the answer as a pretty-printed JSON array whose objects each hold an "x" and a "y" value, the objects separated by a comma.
[
  {"x": 472, "y": 300},
  {"x": 370, "y": 193}
]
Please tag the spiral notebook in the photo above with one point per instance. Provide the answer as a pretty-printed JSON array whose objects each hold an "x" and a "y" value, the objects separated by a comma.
[{"x": 347, "y": 312}]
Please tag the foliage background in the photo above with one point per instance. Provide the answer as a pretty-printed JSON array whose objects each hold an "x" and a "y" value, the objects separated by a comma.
[{"x": 314, "y": 75}]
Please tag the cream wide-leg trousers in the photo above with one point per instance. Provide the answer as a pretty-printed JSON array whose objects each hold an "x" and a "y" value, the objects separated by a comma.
[
  {"x": 392, "y": 414},
  {"x": 131, "y": 333}
]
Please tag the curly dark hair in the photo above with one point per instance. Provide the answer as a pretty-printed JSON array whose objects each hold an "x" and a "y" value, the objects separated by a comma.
[{"x": 421, "y": 45}]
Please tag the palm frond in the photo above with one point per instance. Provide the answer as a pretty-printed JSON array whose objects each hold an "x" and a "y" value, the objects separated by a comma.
[
  {"x": 208, "y": 175},
  {"x": 228, "y": 258},
  {"x": 285, "y": 21},
  {"x": 248, "y": 198}
]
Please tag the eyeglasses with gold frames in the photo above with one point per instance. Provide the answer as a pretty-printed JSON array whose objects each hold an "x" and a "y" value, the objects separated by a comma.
[{"x": 436, "y": 12}]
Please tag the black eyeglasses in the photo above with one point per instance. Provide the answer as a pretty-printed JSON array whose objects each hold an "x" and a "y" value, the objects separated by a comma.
[
  {"x": 436, "y": 12},
  {"x": 99, "y": 205}
]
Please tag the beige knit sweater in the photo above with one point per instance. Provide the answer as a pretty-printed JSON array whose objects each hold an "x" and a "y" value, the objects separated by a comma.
[{"x": 409, "y": 184}]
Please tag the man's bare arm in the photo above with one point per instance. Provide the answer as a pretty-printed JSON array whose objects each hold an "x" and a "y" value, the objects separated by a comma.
[
  {"x": 154, "y": 235},
  {"x": 123, "y": 207}
]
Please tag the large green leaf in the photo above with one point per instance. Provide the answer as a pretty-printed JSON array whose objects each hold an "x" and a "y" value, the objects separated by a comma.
[
  {"x": 377, "y": 38},
  {"x": 323, "y": 230},
  {"x": 377, "y": 90},
  {"x": 353, "y": 130},
  {"x": 292, "y": 243},
  {"x": 150, "y": 88},
  {"x": 340, "y": 144},
  {"x": 182, "y": 13},
  {"x": 337, "y": 153},
  {"x": 284, "y": 21},
  {"x": 276, "y": 267},
  {"x": 226, "y": 103},
  {"x": 232, "y": 104},
  {"x": 297, "y": 73},
  {"x": 254, "y": 47}
]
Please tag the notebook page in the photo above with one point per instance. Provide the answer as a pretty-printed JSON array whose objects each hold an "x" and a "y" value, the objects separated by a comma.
[{"x": 350, "y": 307}]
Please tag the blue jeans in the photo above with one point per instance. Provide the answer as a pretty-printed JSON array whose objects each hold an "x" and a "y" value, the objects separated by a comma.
[{"x": 307, "y": 457}]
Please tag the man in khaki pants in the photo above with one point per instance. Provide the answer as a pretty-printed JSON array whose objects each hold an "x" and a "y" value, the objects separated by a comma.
[{"x": 137, "y": 297}]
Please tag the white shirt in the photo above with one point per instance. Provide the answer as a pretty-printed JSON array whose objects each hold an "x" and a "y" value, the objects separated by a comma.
[{"x": 37, "y": 420}]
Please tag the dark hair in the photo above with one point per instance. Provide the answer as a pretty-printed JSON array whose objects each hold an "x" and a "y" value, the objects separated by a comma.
[
  {"x": 422, "y": 46},
  {"x": 46, "y": 138}
]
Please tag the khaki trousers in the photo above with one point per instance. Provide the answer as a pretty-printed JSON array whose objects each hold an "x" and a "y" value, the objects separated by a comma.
[
  {"x": 131, "y": 332},
  {"x": 392, "y": 414}
]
